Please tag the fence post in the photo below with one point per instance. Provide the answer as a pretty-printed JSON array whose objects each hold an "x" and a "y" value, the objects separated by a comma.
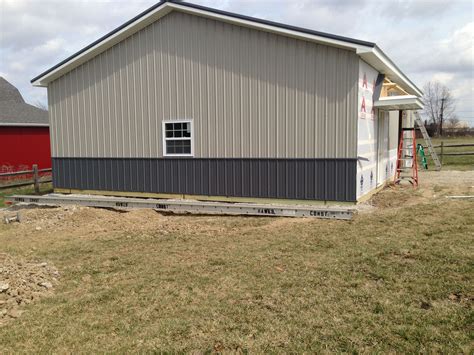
[
  {"x": 36, "y": 178},
  {"x": 441, "y": 155}
]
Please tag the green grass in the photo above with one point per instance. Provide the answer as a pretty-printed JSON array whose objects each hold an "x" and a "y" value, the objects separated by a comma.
[
  {"x": 141, "y": 282},
  {"x": 465, "y": 162},
  {"x": 26, "y": 190}
]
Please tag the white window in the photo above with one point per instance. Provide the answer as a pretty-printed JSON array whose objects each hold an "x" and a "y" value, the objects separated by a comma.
[{"x": 178, "y": 138}]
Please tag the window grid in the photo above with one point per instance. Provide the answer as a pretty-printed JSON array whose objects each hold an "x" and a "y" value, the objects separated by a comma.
[{"x": 177, "y": 138}]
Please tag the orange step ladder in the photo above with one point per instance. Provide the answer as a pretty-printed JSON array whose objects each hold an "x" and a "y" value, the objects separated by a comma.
[{"x": 407, "y": 164}]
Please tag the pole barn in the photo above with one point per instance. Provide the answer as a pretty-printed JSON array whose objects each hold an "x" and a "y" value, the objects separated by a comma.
[{"x": 189, "y": 101}]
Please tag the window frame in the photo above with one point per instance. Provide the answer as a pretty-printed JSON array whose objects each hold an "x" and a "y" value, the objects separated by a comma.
[{"x": 165, "y": 139}]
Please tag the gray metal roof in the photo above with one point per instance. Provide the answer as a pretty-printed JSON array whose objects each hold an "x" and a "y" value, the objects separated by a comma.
[{"x": 15, "y": 111}]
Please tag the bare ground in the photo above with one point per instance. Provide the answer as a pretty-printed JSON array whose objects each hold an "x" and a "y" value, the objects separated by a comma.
[
  {"x": 434, "y": 187},
  {"x": 21, "y": 283}
]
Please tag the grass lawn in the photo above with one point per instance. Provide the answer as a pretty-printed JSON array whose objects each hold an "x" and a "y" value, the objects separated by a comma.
[
  {"x": 394, "y": 280},
  {"x": 451, "y": 162},
  {"x": 26, "y": 190}
]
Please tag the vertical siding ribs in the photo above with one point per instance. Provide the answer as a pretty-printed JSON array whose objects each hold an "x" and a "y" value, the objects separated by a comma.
[{"x": 251, "y": 94}]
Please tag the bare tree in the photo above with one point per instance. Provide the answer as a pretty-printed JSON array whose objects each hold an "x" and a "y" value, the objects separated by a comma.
[
  {"x": 439, "y": 104},
  {"x": 41, "y": 105}
]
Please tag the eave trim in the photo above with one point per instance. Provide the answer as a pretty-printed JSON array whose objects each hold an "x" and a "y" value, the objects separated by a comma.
[
  {"x": 24, "y": 125},
  {"x": 408, "y": 102}
]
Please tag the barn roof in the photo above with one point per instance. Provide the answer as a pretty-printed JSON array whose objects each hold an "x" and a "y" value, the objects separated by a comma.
[
  {"x": 14, "y": 111},
  {"x": 367, "y": 51}
]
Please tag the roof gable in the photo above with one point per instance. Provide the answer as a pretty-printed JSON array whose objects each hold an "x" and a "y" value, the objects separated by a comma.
[{"x": 367, "y": 50}]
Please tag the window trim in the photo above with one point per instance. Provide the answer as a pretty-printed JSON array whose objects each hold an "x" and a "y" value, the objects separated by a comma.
[{"x": 164, "y": 138}]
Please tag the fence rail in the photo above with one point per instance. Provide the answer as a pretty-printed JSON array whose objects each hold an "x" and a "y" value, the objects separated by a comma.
[
  {"x": 25, "y": 172},
  {"x": 453, "y": 145},
  {"x": 463, "y": 153},
  {"x": 36, "y": 179},
  {"x": 442, "y": 146}
]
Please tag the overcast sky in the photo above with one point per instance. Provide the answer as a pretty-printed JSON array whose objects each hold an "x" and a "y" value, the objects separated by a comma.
[{"x": 427, "y": 39}]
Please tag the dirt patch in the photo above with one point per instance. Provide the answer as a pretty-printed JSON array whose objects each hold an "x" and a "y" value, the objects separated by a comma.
[
  {"x": 448, "y": 177},
  {"x": 76, "y": 217},
  {"x": 394, "y": 196},
  {"x": 23, "y": 282},
  {"x": 433, "y": 185},
  {"x": 86, "y": 221}
]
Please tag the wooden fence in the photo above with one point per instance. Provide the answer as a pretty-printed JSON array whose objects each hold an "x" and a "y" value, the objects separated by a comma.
[
  {"x": 442, "y": 146},
  {"x": 37, "y": 177}
]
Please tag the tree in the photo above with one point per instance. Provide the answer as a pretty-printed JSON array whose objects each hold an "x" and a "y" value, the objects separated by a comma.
[{"x": 439, "y": 104}]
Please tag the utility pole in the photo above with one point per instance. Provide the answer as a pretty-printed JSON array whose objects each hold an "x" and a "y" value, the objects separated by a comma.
[{"x": 441, "y": 114}]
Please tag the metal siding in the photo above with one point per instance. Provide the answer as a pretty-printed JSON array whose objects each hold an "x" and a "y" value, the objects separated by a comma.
[
  {"x": 305, "y": 179},
  {"x": 51, "y": 116},
  {"x": 56, "y": 123},
  {"x": 250, "y": 94}
]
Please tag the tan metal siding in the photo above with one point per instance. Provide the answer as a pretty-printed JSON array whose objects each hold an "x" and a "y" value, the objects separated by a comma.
[{"x": 250, "y": 94}]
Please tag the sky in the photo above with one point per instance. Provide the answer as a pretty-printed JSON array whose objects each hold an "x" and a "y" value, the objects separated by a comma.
[{"x": 428, "y": 39}]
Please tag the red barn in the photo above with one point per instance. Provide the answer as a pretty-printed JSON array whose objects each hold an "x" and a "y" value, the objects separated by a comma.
[{"x": 24, "y": 132}]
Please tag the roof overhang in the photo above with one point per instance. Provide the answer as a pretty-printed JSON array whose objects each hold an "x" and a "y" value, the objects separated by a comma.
[
  {"x": 7, "y": 124},
  {"x": 381, "y": 62},
  {"x": 392, "y": 103},
  {"x": 368, "y": 51}
]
